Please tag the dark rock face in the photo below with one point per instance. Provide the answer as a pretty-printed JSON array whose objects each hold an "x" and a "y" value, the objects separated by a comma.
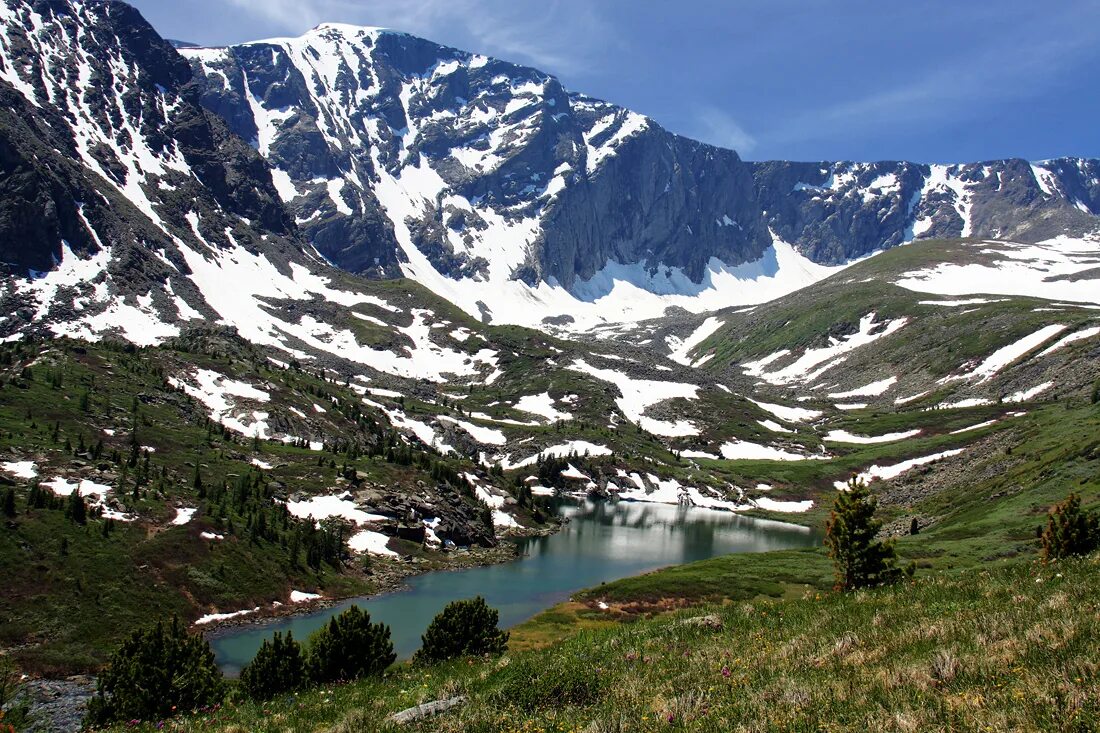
[
  {"x": 835, "y": 211},
  {"x": 494, "y": 151},
  {"x": 397, "y": 148},
  {"x": 103, "y": 144}
]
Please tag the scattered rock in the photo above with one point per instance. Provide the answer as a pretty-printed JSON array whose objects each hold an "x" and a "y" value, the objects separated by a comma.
[
  {"x": 428, "y": 709},
  {"x": 710, "y": 621}
]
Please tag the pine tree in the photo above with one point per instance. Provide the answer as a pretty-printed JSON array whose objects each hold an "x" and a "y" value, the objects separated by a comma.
[
  {"x": 1070, "y": 531},
  {"x": 77, "y": 510},
  {"x": 156, "y": 673},
  {"x": 462, "y": 629},
  {"x": 9, "y": 502},
  {"x": 861, "y": 560},
  {"x": 278, "y": 667},
  {"x": 348, "y": 648}
]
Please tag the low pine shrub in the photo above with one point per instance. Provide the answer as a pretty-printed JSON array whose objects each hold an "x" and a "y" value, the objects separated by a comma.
[
  {"x": 462, "y": 629},
  {"x": 1070, "y": 530},
  {"x": 861, "y": 560},
  {"x": 156, "y": 673},
  {"x": 278, "y": 667},
  {"x": 348, "y": 648}
]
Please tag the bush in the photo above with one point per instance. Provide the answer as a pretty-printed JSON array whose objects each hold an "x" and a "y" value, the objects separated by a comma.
[
  {"x": 861, "y": 560},
  {"x": 156, "y": 673},
  {"x": 463, "y": 628},
  {"x": 532, "y": 683},
  {"x": 278, "y": 667},
  {"x": 1070, "y": 531},
  {"x": 348, "y": 648}
]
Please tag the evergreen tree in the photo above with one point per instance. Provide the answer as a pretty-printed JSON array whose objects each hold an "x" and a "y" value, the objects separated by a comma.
[
  {"x": 278, "y": 667},
  {"x": 1096, "y": 392},
  {"x": 462, "y": 629},
  {"x": 77, "y": 509},
  {"x": 156, "y": 673},
  {"x": 861, "y": 561},
  {"x": 348, "y": 648},
  {"x": 9, "y": 502},
  {"x": 1070, "y": 531}
]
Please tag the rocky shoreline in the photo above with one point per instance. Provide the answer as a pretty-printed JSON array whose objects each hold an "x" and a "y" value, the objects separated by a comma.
[
  {"x": 388, "y": 577},
  {"x": 58, "y": 705}
]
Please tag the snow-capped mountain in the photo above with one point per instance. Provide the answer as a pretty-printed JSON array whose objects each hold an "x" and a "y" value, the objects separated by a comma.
[
  {"x": 130, "y": 188},
  {"x": 525, "y": 203},
  {"x": 128, "y": 210},
  {"x": 116, "y": 186}
]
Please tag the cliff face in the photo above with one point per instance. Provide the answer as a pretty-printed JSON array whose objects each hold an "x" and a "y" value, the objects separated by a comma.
[
  {"x": 836, "y": 211},
  {"x": 493, "y": 168},
  {"x": 112, "y": 172},
  {"x": 397, "y": 153},
  {"x": 485, "y": 181}
]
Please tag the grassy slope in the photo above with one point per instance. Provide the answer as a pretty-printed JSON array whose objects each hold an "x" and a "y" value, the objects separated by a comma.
[
  {"x": 54, "y": 604},
  {"x": 1011, "y": 648}
]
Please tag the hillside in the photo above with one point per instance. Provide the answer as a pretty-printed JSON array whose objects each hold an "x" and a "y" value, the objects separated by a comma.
[
  {"x": 287, "y": 323},
  {"x": 1007, "y": 649}
]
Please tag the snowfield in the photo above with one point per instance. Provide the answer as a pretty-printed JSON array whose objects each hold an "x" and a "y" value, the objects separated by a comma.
[
  {"x": 639, "y": 394},
  {"x": 371, "y": 542},
  {"x": 741, "y": 450},
  {"x": 888, "y": 472},
  {"x": 812, "y": 363},
  {"x": 562, "y": 450},
  {"x": 1006, "y": 355},
  {"x": 1043, "y": 270},
  {"x": 541, "y": 405},
  {"x": 217, "y": 391},
  {"x": 324, "y": 507},
  {"x": 20, "y": 469}
]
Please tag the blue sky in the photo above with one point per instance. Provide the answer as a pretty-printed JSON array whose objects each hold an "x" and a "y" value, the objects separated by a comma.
[{"x": 931, "y": 80}]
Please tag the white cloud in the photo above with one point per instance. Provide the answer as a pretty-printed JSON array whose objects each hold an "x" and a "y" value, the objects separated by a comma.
[
  {"x": 560, "y": 36},
  {"x": 717, "y": 127},
  {"x": 1005, "y": 66}
]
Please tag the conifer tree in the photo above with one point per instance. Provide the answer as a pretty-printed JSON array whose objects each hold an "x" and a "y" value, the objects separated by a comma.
[
  {"x": 9, "y": 502},
  {"x": 278, "y": 667},
  {"x": 348, "y": 648},
  {"x": 1070, "y": 530},
  {"x": 462, "y": 629},
  {"x": 77, "y": 510},
  {"x": 861, "y": 560},
  {"x": 156, "y": 673}
]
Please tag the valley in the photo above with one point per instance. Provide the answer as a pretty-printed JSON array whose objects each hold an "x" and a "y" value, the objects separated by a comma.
[{"x": 357, "y": 318}]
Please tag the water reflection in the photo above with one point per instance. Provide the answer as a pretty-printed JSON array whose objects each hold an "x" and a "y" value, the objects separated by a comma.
[{"x": 603, "y": 541}]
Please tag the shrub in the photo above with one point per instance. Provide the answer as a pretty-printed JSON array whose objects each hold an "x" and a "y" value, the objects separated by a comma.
[
  {"x": 348, "y": 648},
  {"x": 463, "y": 628},
  {"x": 156, "y": 673},
  {"x": 278, "y": 667},
  {"x": 532, "y": 683},
  {"x": 861, "y": 560},
  {"x": 1070, "y": 531}
]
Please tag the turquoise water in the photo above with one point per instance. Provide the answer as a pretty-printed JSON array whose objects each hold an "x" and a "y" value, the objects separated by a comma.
[{"x": 602, "y": 542}]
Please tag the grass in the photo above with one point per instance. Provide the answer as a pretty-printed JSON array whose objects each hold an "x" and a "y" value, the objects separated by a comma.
[
  {"x": 1011, "y": 648},
  {"x": 55, "y": 602}
]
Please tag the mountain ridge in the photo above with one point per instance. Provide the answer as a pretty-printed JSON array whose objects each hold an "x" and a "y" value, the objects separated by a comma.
[{"x": 579, "y": 190}]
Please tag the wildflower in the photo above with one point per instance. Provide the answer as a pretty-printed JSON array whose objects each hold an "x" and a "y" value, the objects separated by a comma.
[{"x": 726, "y": 672}]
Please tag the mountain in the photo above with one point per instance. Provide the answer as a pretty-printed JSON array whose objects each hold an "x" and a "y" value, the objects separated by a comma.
[
  {"x": 522, "y": 202},
  {"x": 245, "y": 287}
]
